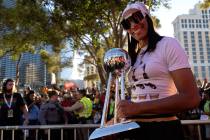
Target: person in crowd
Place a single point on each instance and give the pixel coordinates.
(111, 106)
(33, 109)
(42, 99)
(96, 108)
(207, 113)
(33, 113)
(67, 102)
(26, 90)
(161, 79)
(96, 99)
(12, 108)
(102, 98)
(71, 117)
(52, 113)
(83, 107)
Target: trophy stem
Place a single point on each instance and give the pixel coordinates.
(116, 61)
(117, 98)
(106, 103)
(122, 86)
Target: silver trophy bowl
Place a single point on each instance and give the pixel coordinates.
(116, 62)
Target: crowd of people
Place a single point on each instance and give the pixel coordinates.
(78, 106)
(54, 106)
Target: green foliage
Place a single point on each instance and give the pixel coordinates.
(1, 52)
(93, 25)
(205, 4)
(28, 26)
(44, 54)
(91, 77)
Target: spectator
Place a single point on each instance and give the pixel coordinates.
(12, 108)
(207, 112)
(71, 117)
(33, 112)
(51, 112)
(96, 108)
(83, 107)
(26, 91)
(67, 102)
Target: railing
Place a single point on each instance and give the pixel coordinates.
(198, 123)
(75, 127)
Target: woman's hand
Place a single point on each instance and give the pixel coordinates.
(110, 122)
(126, 109)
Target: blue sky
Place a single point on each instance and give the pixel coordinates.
(166, 17)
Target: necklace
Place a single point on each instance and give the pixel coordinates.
(9, 104)
(139, 62)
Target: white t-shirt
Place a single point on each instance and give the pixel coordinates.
(168, 56)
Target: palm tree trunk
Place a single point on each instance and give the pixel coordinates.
(18, 71)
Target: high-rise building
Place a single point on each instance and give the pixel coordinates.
(8, 3)
(193, 32)
(91, 77)
(32, 70)
(7, 68)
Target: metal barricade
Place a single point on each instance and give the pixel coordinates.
(75, 127)
(198, 124)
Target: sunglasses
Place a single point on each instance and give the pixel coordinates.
(135, 18)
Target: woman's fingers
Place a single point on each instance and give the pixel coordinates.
(123, 109)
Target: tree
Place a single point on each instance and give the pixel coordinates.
(14, 40)
(26, 27)
(93, 25)
(205, 4)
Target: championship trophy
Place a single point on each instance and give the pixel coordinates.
(116, 63)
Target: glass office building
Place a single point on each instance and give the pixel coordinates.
(32, 70)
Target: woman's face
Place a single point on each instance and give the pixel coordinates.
(137, 30)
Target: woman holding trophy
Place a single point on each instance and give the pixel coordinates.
(162, 83)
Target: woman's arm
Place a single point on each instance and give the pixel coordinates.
(187, 98)
(78, 105)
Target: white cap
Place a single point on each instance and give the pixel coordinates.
(138, 6)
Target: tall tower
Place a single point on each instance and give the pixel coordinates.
(32, 69)
(193, 32)
(7, 68)
(8, 3)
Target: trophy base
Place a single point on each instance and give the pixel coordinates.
(113, 129)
